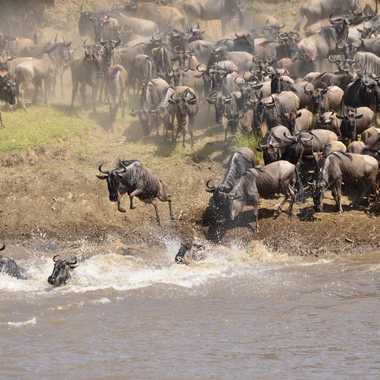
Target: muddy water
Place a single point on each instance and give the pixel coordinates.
(236, 315)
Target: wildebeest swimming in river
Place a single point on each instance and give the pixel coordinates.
(134, 179)
(61, 271)
(9, 267)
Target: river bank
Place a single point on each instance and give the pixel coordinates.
(49, 189)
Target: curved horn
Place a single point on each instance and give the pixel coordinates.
(73, 261)
(55, 258)
(210, 189)
(103, 171)
(203, 66)
(2, 247)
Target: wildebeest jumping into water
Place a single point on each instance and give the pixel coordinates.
(132, 178)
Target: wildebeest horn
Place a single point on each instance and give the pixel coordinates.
(204, 69)
(55, 258)
(73, 261)
(2, 247)
(210, 189)
(303, 140)
(103, 171)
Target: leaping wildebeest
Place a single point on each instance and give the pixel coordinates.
(132, 178)
(238, 164)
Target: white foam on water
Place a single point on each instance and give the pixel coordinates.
(29, 322)
(121, 273)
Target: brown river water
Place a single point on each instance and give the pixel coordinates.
(235, 315)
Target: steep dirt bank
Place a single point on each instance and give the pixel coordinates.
(51, 191)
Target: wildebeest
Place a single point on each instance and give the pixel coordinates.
(238, 164)
(315, 10)
(40, 72)
(132, 178)
(152, 97)
(275, 110)
(363, 92)
(116, 84)
(7, 92)
(137, 25)
(61, 271)
(167, 17)
(10, 267)
(357, 172)
(355, 122)
(86, 72)
(185, 105)
(371, 137)
(319, 46)
(223, 10)
(141, 71)
(279, 177)
(356, 147)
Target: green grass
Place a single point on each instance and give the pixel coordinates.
(38, 126)
(252, 142)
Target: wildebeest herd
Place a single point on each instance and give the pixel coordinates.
(309, 95)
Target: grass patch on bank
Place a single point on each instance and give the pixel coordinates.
(38, 126)
(250, 141)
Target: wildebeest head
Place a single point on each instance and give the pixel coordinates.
(184, 101)
(195, 33)
(7, 90)
(219, 202)
(113, 178)
(107, 51)
(61, 270)
(349, 121)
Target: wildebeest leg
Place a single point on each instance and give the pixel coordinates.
(37, 86)
(256, 213)
(171, 210)
(191, 132)
(122, 100)
(61, 81)
(74, 92)
(335, 196)
(292, 200)
(131, 207)
(119, 208)
(94, 94)
(153, 202)
(46, 85)
(338, 189)
(285, 192)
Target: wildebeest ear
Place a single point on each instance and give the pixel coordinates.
(359, 116)
(102, 176)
